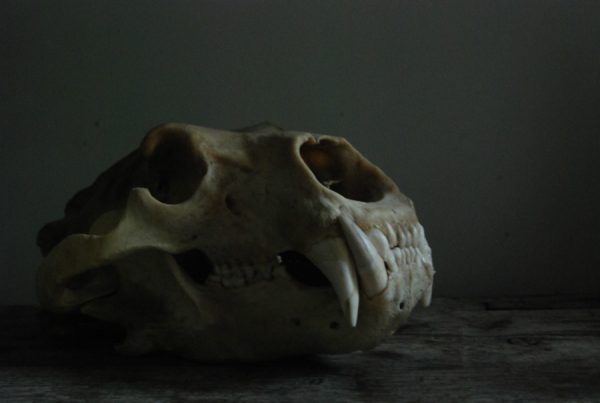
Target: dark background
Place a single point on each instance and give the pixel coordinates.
(486, 114)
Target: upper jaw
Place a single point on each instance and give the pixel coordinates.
(360, 262)
(357, 262)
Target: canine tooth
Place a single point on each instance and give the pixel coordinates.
(393, 264)
(379, 241)
(369, 264)
(426, 297)
(392, 238)
(331, 256)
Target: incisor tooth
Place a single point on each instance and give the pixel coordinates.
(393, 240)
(331, 256)
(409, 236)
(420, 234)
(369, 264)
(413, 235)
(402, 236)
(379, 241)
(398, 259)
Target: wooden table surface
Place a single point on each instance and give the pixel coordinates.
(488, 350)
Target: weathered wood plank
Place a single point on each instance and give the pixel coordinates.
(453, 351)
(542, 302)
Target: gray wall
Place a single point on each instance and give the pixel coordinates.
(486, 113)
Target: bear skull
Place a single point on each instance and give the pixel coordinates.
(239, 245)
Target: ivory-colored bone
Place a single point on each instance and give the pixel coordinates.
(239, 245)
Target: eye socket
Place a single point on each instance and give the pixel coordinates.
(342, 169)
(175, 166)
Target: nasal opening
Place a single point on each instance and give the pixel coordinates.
(340, 168)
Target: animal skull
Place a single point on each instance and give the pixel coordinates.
(239, 245)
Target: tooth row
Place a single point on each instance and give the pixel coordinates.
(406, 256)
(232, 276)
(356, 256)
(408, 251)
(404, 237)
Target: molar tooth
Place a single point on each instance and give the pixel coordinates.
(236, 274)
(331, 256)
(237, 281)
(369, 264)
(213, 278)
(265, 273)
(248, 272)
(279, 272)
(392, 238)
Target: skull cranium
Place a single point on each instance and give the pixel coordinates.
(239, 245)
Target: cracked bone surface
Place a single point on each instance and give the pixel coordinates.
(239, 245)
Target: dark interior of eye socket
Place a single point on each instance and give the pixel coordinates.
(303, 270)
(341, 169)
(195, 264)
(175, 167)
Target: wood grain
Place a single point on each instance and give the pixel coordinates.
(487, 350)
